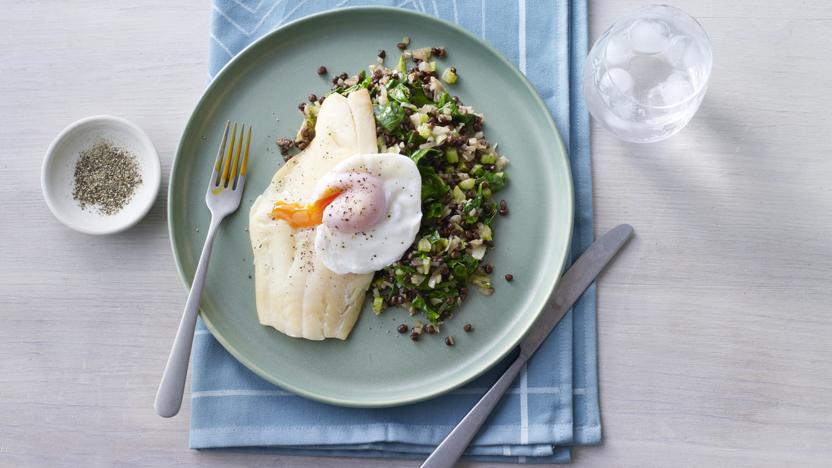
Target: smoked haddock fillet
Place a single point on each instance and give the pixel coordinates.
(295, 292)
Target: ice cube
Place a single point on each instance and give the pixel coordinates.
(648, 36)
(618, 51)
(675, 89)
(693, 59)
(616, 81)
(654, 97)
(675, 53)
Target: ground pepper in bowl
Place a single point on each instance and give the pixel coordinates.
(105, 178)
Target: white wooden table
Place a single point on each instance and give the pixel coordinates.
(715, 324)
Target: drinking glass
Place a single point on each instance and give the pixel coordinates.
(645, 77)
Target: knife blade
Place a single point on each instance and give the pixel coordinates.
(579, 276)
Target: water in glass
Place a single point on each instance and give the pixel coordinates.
(647, 74)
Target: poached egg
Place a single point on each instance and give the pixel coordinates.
(366, 212)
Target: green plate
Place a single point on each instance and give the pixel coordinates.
(376, 366)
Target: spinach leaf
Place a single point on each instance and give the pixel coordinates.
(447, 103)
(400, 93)
(496, 180)
(463, 266)
(432, 186)
(418, 96)
(444, 99)
(471, 204)
(433, 210)
(414, 139)
(423, 153)
(389, 116)
(420, 304)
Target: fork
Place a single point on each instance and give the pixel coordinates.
(225, 189)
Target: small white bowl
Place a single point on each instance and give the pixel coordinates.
(59, 168)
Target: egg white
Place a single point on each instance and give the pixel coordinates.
(385, 242)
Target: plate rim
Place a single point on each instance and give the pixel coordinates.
(471, 373)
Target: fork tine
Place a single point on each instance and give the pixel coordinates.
(215, 174)
(227, 164)
(245, 156)
(244, 165)
(232, 180)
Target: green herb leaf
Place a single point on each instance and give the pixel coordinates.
(469, 206)
(400, 93)
(418, 96)
(491, 208)
(420, 304)
(483, 283)
(401, 66)
(464, 266)
(433, 210)
(422, 154)
(414, 139)
(496, 180)
(365, 82)
(433, 187)
(389, 116)
(444, 98)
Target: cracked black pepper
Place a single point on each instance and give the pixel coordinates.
(106, 177)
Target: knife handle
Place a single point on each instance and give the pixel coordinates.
(451, 448)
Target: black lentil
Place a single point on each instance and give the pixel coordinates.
(509, 277)
(312, 98)
(403, 328)
(382, 54)
(449, 340)
(468, 328)
(285, 144)
(321, 70)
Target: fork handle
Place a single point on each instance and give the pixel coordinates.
(169, 396)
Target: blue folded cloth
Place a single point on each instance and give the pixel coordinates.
(554, 403)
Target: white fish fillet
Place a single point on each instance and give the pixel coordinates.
(296, 293)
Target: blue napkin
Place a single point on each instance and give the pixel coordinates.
(554, 403)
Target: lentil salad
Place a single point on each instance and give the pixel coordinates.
(461, 172)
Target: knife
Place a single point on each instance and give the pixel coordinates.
(579, 276)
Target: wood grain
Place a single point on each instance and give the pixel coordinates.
(716, 336)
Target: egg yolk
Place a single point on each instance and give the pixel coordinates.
(305, 216)
(352, 202)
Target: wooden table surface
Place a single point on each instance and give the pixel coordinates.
(715, 324)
